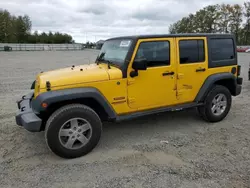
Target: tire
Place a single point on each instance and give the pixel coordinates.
(76, 114)
(206, 111)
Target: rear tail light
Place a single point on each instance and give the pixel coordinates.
(44, 105)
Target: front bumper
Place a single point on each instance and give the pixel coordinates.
(25, 116)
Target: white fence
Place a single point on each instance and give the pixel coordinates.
(51, 47)
(41, 47)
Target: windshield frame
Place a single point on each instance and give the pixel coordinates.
(118, 64)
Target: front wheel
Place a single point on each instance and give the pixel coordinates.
(73, 131)
(216, 105)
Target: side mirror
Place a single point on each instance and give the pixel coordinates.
(140, 64)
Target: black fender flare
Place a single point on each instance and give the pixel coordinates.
(209, 82)
(33, 85)
(56, 96)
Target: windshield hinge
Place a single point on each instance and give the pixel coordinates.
(48, 86)
(130, 82)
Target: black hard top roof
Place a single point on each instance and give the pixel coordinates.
(174, 35)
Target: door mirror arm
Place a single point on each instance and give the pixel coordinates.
(134, 73)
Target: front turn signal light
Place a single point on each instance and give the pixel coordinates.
(44, 105)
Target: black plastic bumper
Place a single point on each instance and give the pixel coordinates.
(238, 90)
(26, 117)
(238, 86)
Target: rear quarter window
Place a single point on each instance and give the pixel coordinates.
(222, 49)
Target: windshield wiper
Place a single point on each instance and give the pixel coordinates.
(100, 58)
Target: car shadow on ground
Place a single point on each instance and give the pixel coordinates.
(151, 125)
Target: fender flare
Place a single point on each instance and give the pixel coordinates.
(56, 96)
(33, 85)
(209, 82)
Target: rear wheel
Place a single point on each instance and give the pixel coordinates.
(217, 104)
(73, 131)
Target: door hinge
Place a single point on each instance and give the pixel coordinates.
(180, 76)
(130, 82)
(179, 93)
(131, 100)
(175, 87)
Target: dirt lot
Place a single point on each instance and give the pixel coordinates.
(130, 154)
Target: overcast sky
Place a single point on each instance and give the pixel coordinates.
(102, 19)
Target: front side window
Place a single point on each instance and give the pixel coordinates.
(156, 53)
(114, 51)
(191, 51)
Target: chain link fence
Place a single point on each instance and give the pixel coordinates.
(39, 47)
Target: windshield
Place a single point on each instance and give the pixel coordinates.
(114, 51)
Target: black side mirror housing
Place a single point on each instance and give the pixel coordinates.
(140, 64)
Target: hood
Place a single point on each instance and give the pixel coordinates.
(78, 75)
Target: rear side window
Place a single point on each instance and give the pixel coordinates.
(222, 49)
(191, 51)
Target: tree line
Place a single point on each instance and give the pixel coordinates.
(218, 18)
(17, 29)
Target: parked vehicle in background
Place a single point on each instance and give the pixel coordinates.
(247, 50)
(242, 49)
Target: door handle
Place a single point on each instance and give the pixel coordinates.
(167, 73)
(200, 70)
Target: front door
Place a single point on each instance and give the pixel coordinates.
(192, 67)
(156, 86)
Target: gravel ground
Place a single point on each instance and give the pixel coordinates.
(130, 154)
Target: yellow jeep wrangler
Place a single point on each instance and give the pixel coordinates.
(132, 76)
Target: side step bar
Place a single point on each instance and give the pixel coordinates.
(155, 111)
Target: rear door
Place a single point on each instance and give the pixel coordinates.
(192, 67)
